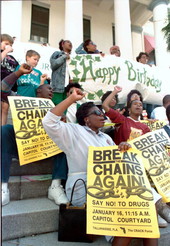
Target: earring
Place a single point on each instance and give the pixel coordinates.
(87, 122)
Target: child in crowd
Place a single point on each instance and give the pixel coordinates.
(8, 62)
(28, 83)
(60, 75)
(8, 82)
(8, 65)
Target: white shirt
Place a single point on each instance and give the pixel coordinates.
(71, 113)
(159, 113)
(74, 140)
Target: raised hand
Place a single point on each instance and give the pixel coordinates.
(8, 48)
(43, 78)
(117, 89)
(25, 68)
(76, 94)
(124, 146)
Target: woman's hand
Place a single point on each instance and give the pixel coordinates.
(117, 89)
(124, 146)
(121, 111)
(106, 103)
(76, 94)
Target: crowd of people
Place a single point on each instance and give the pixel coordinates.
(72, 124)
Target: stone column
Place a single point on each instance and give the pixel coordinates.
(159, 8)
(123, 35)
(138, 40)
(74, 22)
(11, 10)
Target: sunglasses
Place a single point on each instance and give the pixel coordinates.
(96, 112)
(92, 43)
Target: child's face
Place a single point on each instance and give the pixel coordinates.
(5, 43)
(32, 60)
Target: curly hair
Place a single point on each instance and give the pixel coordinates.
(140, 55)
(61, 44)
(83, 111)
(71, 85)
(130, 94)
(105, 95)
(86, 43)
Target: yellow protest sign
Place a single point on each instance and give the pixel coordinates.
(156, 159)
(32, 141)
(154, 125)
(119, 196)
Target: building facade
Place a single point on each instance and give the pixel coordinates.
(106, 22)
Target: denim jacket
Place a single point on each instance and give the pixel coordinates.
(58, 66)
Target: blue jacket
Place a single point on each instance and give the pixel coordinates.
(58, 66)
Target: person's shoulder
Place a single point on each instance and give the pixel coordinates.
(36, 70)
(10, 57)
(57, 53)
(108, 138)
(159, 108)
(17, 67)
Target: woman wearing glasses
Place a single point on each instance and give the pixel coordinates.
(74, 140)
(88, 47)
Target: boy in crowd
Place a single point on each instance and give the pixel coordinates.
(28, 83)
(8, 65)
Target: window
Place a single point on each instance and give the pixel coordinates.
(39, 24)
(86, 29)
(113, 34)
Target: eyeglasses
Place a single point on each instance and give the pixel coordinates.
(92, 43)
(96, 112)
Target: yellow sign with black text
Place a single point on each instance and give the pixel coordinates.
(119, 196)
(156, 159)
(154, 125)
(32, 141)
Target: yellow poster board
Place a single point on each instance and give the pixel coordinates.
(154, 125)
(32, 141)
(119, 196)
(156, 159)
